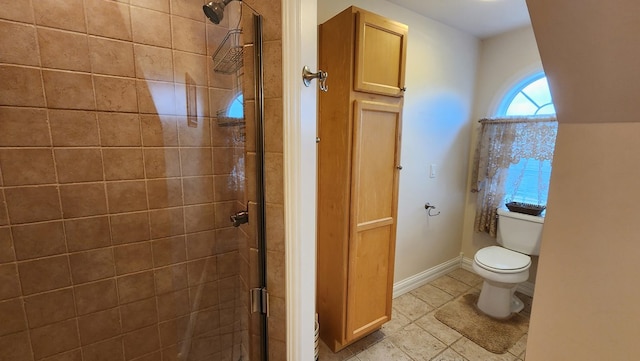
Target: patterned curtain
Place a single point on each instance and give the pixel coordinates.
(502, 142)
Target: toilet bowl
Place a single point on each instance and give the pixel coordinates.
(504, 268)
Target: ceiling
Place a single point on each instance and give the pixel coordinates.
(482, 18)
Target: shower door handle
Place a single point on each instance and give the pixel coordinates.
(308, 76)
(239, 218)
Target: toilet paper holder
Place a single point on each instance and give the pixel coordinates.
(429, 207)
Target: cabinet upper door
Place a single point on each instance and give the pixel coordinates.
(381, 48)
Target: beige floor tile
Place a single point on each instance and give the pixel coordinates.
(366, 342)
(398, 321)
(465, 276)
(449, 355)
(384, 350)
(438, 329)
(411, 306)
(417, 343)
(519, 347)
(473, 352)
(450, 285)
(432, 295)
(326, 354)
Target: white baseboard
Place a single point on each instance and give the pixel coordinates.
(424, 277)
(525, 287)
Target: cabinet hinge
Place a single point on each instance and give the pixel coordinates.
(260, 300)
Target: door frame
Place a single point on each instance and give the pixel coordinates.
(299, 44)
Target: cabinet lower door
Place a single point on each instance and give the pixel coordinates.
(373, 216)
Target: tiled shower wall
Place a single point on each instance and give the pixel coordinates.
(116, 184)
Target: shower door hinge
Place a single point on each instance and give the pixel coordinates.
(260, 301)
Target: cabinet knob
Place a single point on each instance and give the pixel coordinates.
(399, 167)
(403, 89)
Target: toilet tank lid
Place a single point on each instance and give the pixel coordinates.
(506, 213)
(502, 260)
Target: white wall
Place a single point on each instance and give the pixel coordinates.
(504, 60)
(440, 76)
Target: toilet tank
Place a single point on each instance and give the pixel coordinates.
(519, 232)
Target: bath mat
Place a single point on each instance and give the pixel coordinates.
(496, 336)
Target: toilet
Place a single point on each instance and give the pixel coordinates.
(503, 268)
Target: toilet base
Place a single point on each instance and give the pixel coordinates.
(498, 300)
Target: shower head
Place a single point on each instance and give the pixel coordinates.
(214, 10)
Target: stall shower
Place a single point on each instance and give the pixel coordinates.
(132, 201)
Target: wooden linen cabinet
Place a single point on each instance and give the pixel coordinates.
(359, 125)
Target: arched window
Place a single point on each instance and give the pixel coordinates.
(236, 107)
(529, 97)
(528, 180)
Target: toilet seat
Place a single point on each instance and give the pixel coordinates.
(501, 260)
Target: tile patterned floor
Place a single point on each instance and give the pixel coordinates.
(414, 334)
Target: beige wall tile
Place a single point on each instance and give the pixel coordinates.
(225, 160)
(99, 326)
(73, 128)
(140, 342)
(190, 68)
(199, 218)
(12, 316)
(135, 287)
(51, 307)
(44, 274)
(68, 15)
(273, 125)
(96, 296)
(162, 162)
(275, 227)
(123, 163)
(230, 239)
(223, 210)
(228, 264)
(119, 129)
(169, 251)
(81, 200)
(32, 204)
(171, 278)
(111, 57)
(156, 97)
(9, 282)
(186, 9)
(38, 240)
(4, 218)
(139, 314)
(67, 90)
(109, 19)
(21, 86)
(16, 11)
(150, 27)
(18, 44)
(166, 222)
(276, 273)
(64, 50)
(130, 227)
(220, 99)
(160, 5)
(164, 193)
(192, 100)
(91, 265)
(79, 165)
(153, 63)
(198, 190)
(226, 187)
(27, 166)
(126, 196)
(171, 305)
(196, 161)
(188, 35)
(73, 355)
(201, 244)
(133, 257)
(105, 350)
(6, 246)
(272, 54)
(24, 127)
(194, 134)
(52, 339)
(115, 94)
(201, 271)
(274, 182)
(87, 233)
(159, 131)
